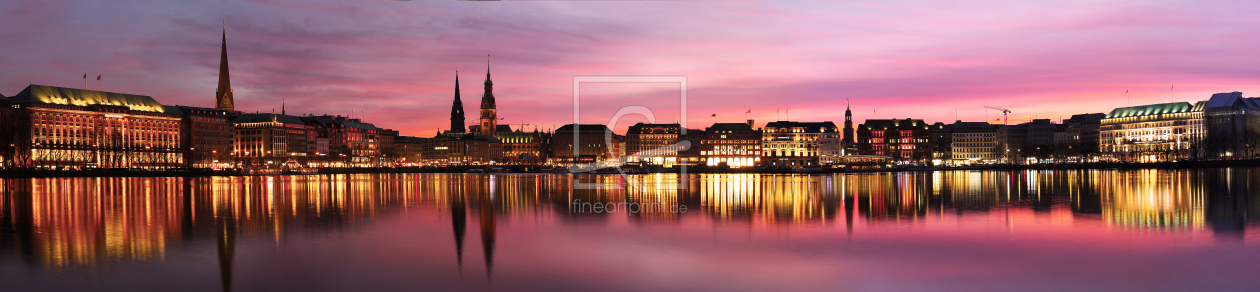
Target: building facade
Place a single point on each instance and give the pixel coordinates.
(734, 145)
(520, 147)
(1232, 125)
(907, 140)
(653, 144)
(972, 142)
(941, 138)
(206, 135)
(593, 143)
(55, 127)
(1030, 140)
(799, 144)
(1080, 141)
(269, 140)
(1152, 133)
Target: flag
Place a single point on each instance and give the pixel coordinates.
(715, 115)
(997, 119)
(98, 77)
(84, 75)
(749, 112)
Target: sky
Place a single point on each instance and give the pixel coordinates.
(394, 63)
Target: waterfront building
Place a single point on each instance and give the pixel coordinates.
(205, 134)
(1232, 125)
(269, 140)
(592, 144)
(520, 147)
(354, 138)
(436, 150)
(907, 140)
(972, 142)
(474, 150)
(735, 145)
(691, 155)
(409, 150)
(1010, 142)
(799, 144)
(1080, 141)
(941, 137)
(1030, 140)
(56, 127)
(653, 144)
(1152, 133)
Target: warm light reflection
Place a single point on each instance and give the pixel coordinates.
(1152, 199)
(74, 222)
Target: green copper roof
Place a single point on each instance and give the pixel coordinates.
(80, 97)
(1153, 109)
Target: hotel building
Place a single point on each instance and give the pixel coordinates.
(56, 127)
(1152, 133)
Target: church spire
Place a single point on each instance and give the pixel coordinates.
(223, 96)
(848, 124)
(457, 109)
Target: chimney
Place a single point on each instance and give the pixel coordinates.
(750, 123)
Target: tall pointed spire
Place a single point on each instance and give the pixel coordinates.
(223, 96)
(848, 124)
(487, 99)
(457, 109)
(489, 112)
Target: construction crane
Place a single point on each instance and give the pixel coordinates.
(522, 127)
(1004, 112)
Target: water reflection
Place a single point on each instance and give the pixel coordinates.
(66, 223)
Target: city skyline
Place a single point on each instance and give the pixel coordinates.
(372, 60)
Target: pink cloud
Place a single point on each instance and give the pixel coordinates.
(395, 61)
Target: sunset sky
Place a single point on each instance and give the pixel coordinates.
(394, 62)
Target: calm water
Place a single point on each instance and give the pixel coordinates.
(1146, 230)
